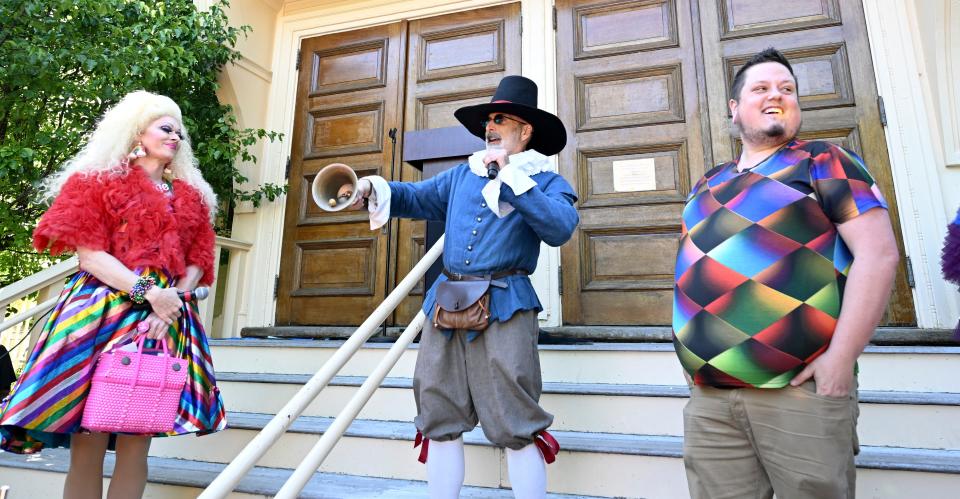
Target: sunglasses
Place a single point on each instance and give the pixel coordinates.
(498, 119)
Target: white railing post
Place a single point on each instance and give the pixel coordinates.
(234, 311)
(207, 306)
(248, 457)
(233, 314)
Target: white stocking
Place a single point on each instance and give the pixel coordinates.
(445, 469)
(528, 473)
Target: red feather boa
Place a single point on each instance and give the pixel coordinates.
(126, 216)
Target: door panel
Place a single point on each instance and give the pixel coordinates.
(610, 28)
(455, 60)
(740, 18)
(628, 90)
(348, 96)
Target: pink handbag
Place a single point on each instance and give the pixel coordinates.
(135, 392)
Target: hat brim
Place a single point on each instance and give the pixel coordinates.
(549, 134)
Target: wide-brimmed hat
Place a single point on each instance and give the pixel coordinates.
(517, 95)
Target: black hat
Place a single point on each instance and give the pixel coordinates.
(517, 95)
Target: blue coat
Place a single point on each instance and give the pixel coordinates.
(478, 242)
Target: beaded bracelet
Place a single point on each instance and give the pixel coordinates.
(138, 294)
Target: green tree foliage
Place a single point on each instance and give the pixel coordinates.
(64, 62)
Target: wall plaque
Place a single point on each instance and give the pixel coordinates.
(632, 175)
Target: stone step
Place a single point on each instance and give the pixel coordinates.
(42, 476)
(886, 368)
(881, 336)
(600, 464)
(605, 408)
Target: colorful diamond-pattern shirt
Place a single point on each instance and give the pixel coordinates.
(761, 267)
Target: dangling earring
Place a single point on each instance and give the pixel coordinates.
(137, 152)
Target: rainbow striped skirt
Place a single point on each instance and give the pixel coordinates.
(46, 404)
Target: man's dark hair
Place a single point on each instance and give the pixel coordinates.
(768, 55)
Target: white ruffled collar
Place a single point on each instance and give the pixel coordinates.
(528, 162)
(520, 167)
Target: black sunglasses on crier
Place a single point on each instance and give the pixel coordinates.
(498, 119)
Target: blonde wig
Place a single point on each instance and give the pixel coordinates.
(116, 135)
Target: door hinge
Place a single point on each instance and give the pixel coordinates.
(554, 18)
(286, 171)
(298, 61)
(910, 280)
(883, 111)
(521, 25)
(560, 279)
(276, 286)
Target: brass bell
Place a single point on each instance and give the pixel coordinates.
(335, 187)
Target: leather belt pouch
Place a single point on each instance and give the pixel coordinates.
(463, 305)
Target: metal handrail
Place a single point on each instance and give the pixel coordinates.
(298, 480)
(225, 482)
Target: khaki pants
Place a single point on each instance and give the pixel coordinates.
(751, 443)
(494, 378)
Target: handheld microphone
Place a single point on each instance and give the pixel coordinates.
(196, 294)
(492, 170)
(185, 295)
(492, 167)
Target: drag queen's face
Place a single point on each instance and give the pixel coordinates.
(162, 138)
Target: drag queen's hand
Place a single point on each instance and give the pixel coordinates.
(158, 328)
(165, 303)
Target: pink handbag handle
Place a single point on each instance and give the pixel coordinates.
(141, 341)
(167, 357)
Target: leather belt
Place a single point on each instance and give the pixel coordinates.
(493, 278)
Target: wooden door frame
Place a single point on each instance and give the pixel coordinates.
(922, 219)
(264, 226)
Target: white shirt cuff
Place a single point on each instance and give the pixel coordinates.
(379, 202)
(518, 181)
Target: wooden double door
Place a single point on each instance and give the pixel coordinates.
(357, 93)
(643, 89)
